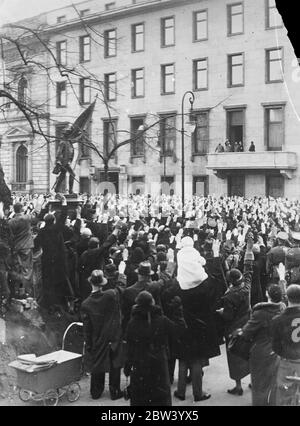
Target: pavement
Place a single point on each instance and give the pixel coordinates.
(216, 382)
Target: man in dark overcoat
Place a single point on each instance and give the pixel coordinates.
(54, 267)
(101, 317)
(144, 283)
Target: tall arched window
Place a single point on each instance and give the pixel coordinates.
(21, 164)
(22, 89)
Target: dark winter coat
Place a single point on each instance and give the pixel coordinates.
(263, 361)
(285, 333)
(101, 316)
(20, 226)
(236, 302)
(54, 267)
(147, 339)
(200, 341)
(131, 293)
(82, 246)
(90, 260)
(137, 256)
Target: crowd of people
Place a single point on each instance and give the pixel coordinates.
(155, 283)
(236, 146)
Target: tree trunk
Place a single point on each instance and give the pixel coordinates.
(106, 172)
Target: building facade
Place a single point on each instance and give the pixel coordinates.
(140, 58)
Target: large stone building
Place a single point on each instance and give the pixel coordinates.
(141, 57)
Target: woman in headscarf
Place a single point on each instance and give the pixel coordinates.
(198, 294)
(147, 336)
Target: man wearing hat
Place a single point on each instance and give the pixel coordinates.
(94, 258)
(277, 254)
(115, 278)
(101, 318)
(144, 283)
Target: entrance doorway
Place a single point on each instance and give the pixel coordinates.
(113, 177)
(236, 185)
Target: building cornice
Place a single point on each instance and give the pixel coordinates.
(114, 14)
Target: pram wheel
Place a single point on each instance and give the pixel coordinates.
(73, 392)
(51, 397)
(24, 395)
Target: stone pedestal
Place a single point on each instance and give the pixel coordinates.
(73, 201)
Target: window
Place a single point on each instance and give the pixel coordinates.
(61, 52)
(236, 125)
(84, 12)
(22, 90)
(110, 6)
(84, 185)
(137, 82)
(167, 135)
(200, 25)
(275, 186)
(274, 127)
(167, 32)
(200, 67)
(167, 185)
(137, 145)
(109, 136)
(137, 37)
(137, 185)
(236, 70)
(235, 18)
(85, 90)
(21, 164)
(200, 136)
(274, 65)
(110, 83)
(273, 18)
(110, 43)
(168, 79)
(61, 94)
(60, 19)
(200, 186)
(85, 48)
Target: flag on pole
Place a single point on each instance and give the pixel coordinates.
(78, 128)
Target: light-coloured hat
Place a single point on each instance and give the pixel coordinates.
(86, 232)
(97, 278)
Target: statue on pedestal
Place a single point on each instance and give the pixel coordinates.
(64, 158)
(65, 153)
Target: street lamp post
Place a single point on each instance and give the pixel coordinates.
(191, 100)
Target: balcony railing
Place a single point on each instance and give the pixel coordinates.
(264, 160)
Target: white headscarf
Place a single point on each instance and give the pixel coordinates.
(190, 265)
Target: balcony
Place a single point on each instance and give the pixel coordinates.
(284, 162)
